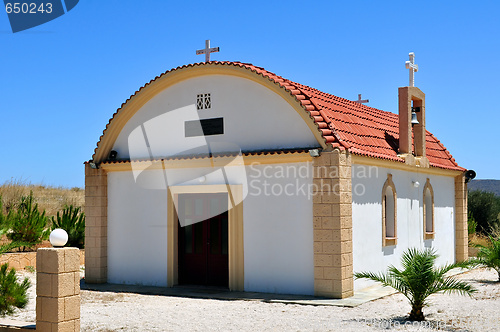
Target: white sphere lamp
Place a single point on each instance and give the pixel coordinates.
(58, 237)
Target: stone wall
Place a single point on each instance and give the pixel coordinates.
(58, 290)
(332, 209)
(461, 232)
(20, 260)
(96, 230)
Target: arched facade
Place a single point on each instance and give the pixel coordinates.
(162, 83)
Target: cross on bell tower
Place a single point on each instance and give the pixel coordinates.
(207, 50)
(412, 67)
(412, 133)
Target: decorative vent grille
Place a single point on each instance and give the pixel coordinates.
(203, 101)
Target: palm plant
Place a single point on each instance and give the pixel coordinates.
(72, 220)
(419, 279)
(489, 256)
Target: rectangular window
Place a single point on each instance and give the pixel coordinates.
(204, 127)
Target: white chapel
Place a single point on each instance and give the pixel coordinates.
(225, 174)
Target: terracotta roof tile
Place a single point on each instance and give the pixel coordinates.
(343, 123)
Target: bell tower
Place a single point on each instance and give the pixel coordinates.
(412, 121)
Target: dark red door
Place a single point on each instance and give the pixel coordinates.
(203, 245)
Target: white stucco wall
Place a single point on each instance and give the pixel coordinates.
(255, 118)
(137, 231)
(278, 234)
(367, 183)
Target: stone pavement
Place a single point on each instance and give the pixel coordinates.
(214, 293)
(371, 293)
(7, 324)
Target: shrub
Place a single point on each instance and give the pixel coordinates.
(471, 224)
(489, 255)
(72, 220)
(27, 225)
(3, 219)
(419, 279)
(484, 208)
(13, 294)
(4, 228)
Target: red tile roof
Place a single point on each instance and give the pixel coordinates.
(361, 129)
(344, 124)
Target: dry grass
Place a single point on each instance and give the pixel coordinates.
(50, 199)
(478, 239)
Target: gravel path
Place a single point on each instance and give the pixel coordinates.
(106, 311)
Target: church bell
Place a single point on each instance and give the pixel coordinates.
(414, 119)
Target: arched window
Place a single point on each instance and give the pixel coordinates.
(428, 211)
(389, 215)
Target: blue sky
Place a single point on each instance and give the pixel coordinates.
(61, 82)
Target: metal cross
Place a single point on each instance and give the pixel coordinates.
(361, 101)
(412, 67)
(207, 50)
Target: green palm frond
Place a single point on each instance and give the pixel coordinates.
(418, 278)
(441, 271)
(384, 279)
(452, 285)
(489, 256)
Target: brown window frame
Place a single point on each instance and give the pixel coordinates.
(389, 240)
(428, 235)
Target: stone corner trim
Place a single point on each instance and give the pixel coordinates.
(461, 233)
(96, 230)
(332, 225)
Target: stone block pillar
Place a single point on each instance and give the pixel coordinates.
(332, 209)
(58, 289)
(96, 225)
(461, 231)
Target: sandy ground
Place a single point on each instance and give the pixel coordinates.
(105, 311)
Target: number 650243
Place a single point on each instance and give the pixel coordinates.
(28, 8)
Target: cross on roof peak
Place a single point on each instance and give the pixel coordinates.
(412, 67)
(207, 50)
(361, 101)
